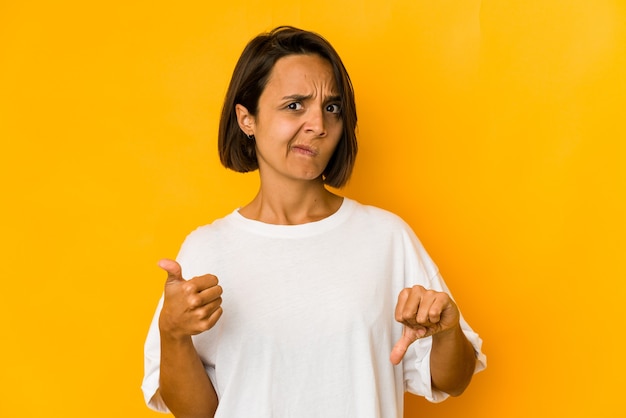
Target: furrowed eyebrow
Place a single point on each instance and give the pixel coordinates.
(302, 98)
(298, 97)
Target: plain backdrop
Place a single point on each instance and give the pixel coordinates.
(495, 128)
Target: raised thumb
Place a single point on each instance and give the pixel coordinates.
(173, 269)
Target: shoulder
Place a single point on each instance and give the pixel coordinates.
(377, 216)
(384, 228)
(385, 223)
(201, 250)
(207, 234)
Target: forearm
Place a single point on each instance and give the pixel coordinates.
(452, 361)
(184, 385)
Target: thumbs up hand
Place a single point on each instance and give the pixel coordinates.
(189, 306)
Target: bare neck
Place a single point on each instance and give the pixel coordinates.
(292, 204)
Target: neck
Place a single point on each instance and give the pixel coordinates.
(292, 204)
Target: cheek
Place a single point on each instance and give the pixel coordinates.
(332, 145)
(336, 131)
(278, 130)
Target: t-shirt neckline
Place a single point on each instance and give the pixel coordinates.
(294, 231)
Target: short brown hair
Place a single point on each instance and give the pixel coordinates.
(248, 81)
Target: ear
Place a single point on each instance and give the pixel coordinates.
(244, 119)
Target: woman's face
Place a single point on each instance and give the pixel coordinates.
(298, 123)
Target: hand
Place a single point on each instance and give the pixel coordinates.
(189, 306)
(423, 312)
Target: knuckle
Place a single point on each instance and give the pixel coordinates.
(194, 301)
(408, 315)
(430, 292)
(188, 287)
(418, 288)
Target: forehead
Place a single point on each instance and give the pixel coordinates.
(302, 72)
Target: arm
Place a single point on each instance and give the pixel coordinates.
(184, 384)
(189, 308)
(452, 361)
(427, 312)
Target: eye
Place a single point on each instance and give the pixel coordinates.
(294, 106)
(333, 108)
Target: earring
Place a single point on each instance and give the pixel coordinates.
(250, 137)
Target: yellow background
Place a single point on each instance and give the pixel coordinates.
(495, 128)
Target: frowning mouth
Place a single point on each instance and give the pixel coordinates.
(304, 150)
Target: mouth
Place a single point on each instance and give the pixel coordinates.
(304, 150)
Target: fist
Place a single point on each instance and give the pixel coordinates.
(423, 313)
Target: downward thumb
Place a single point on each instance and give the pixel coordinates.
(173, 269)
(409, 336)
(399, 350)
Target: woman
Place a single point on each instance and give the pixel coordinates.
(324, 307)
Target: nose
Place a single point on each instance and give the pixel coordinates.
(315, 122)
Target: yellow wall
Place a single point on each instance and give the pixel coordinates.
(495, 128)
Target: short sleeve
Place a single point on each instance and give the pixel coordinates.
(421, 270)
(152, 359)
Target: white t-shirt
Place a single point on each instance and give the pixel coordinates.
(308, 316)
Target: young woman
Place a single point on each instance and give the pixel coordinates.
(324, 307)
